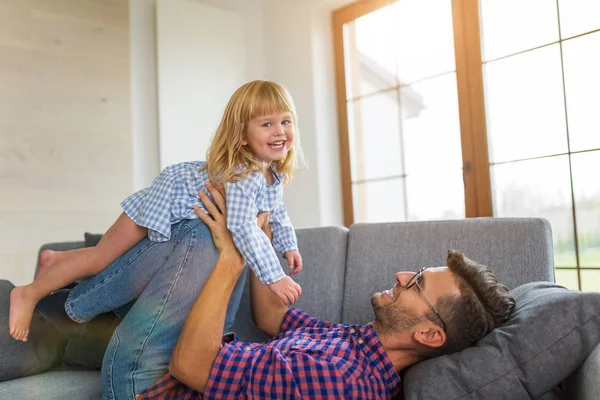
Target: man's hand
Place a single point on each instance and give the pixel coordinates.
(216, 220)
(287, 290)
(294, 260)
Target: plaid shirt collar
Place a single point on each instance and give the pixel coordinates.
(380, 359)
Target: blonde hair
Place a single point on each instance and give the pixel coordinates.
(228, 160)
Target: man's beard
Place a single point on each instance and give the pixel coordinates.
(391, 319)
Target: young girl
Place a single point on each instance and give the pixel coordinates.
(254, 151)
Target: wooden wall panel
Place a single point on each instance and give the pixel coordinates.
(65, 137)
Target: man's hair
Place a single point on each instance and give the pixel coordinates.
(483, 304)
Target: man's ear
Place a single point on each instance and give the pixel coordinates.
(429, 334)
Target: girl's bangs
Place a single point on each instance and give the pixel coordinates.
(268, 101)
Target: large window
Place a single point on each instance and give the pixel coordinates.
(452, 109)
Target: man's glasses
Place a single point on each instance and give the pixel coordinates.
(417, 279)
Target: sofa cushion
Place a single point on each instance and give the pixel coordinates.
(323, 253)
(54, 385)
(549, 335)
(41, 352)
(87, 350)
(518, 250)
(91, 239)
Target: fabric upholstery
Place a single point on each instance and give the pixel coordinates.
(54, 385)
(91, 239)
(518, 250)
(323, 253)
(41, 352)
(549, 335)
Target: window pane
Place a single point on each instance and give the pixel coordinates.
(538, 188)
(431, 125)
(567, 278)
(370, 57)
(436, 196)
(590, 281)
(425, 39)
(375, 136)
(586, 167)
(578, 16)
(510, 26)
(379, 201)
(525, 106)
(582, 81)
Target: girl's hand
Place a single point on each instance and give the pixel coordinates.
(287, 290)
(294, 261)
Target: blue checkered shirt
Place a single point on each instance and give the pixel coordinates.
(173, 194)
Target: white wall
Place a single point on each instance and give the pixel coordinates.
(57, 183)
(326, 117)
(287, 41)
(299, 54)
(144, 102)
(65, 144)
(201, 61)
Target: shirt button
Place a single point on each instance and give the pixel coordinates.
(352, 330)
(247, 348)
(360, 341)
(298, 341)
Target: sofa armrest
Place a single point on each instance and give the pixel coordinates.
(584, 383)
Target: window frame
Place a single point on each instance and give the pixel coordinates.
(469, 77)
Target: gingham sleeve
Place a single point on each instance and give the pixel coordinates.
(284, 235)
(250, 240)
(151, 207)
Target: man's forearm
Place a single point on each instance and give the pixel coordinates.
(267, 309)
(200, 339)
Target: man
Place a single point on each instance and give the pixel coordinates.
(436, 311)
(423, 315)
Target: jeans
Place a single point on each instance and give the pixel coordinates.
(166, 278)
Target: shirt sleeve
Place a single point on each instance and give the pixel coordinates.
(250, 240)
(284, 235)
(151, 207)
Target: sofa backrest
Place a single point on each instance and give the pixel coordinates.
(342, 267)
(323, 253)
(518, 250)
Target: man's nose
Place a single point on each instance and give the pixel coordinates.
(403, 277)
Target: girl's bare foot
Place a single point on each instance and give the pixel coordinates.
(47, 259)
(21, 311)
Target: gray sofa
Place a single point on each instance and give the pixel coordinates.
(343, 267)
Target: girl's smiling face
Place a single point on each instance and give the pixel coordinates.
(270, 137)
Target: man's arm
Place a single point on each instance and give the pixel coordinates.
(200, 340)
(267, 309)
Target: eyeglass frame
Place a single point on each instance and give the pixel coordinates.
(415, 281)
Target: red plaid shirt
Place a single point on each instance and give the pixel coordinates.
(308, 359)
